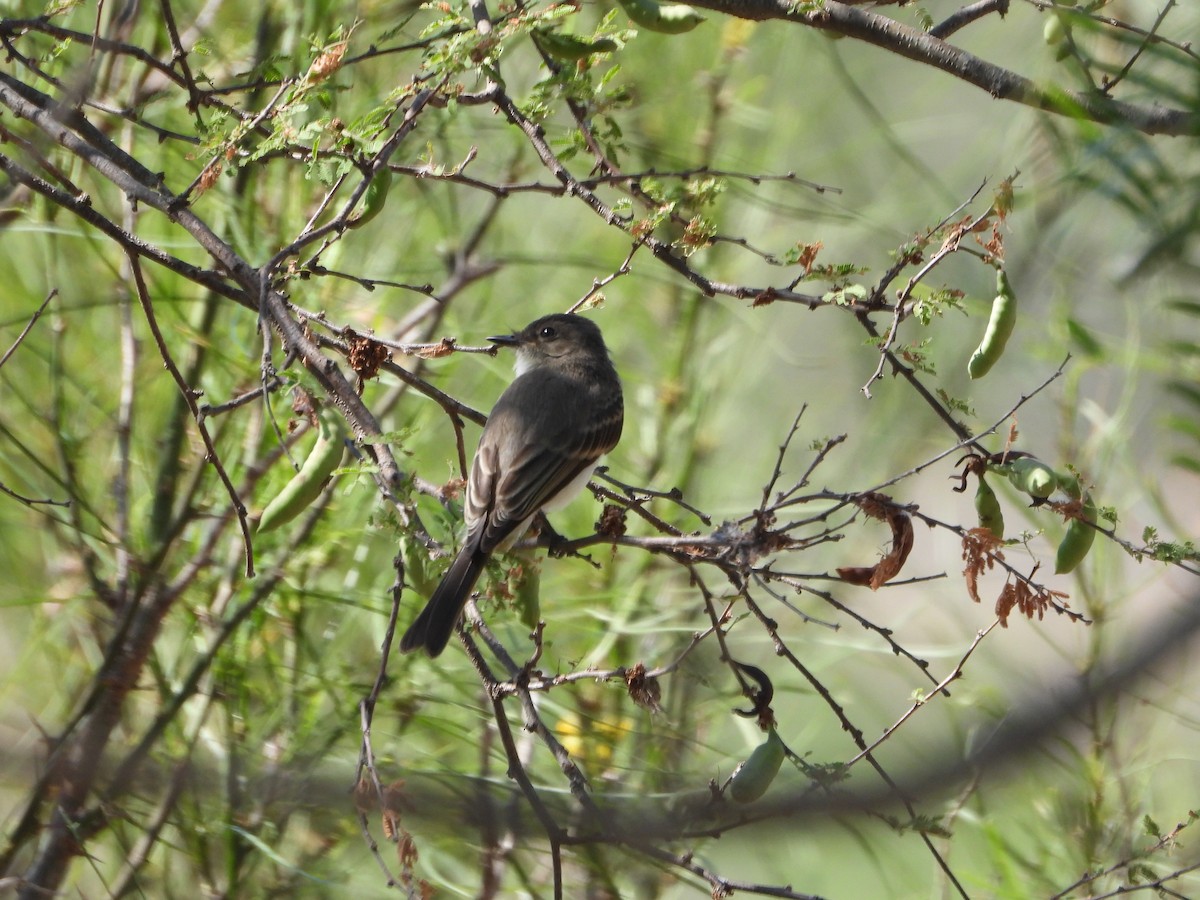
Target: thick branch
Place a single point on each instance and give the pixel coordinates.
(997, 81)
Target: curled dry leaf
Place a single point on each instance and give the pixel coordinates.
(328, 62)
(366, 355)
(364, 795)
(902, 543)
(303, 405)
(444, 347)
(208, 178)
(452, 489)
(391, 825)
(856, 574)
(806, 255)
(643, 691)
(612, 521)
(766, 297)
(390, 814)
(879, 506)
(406, 850)
(762, 697)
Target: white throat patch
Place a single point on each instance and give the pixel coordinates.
(524, 362)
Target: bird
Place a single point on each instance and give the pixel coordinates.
(542, 441)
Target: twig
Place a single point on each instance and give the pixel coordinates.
(950, 245)
(189, 396)
(366, 710)
(779, 457)
(637, 494)
(973, 440)
(904, 40)
(599, 284)
(37, 314)
(940, 688)
(179, 57)
(855, 733)
(1166, 840)
(1107, 84)
(1187, 48)
(720, 886)
(968, 14)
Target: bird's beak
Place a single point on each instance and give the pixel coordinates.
(505, 340)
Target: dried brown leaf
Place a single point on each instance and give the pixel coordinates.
(364, 795)
(808, 255)
(208, 178)
(444, 347)
(643, 691)
(902, 543)
(328, 62)
(612, 521)
(366, 355)
(452, 489)
(765, 297)
(994, 245)
(390, 825)
(406, 850)
(981, 550)
(880, 506)
(856, 574)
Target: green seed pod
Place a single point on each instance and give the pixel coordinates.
(374, 198)
(667, 18)
(1070, 485)
(999, 329)
(571, 47)
(1077, 541)
(1054, 31)
(752, 778)
(1032, 476)
(987, 507)
(306, 485)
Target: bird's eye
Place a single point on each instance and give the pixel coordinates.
(547, 332)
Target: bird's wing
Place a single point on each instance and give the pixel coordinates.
(563, 429)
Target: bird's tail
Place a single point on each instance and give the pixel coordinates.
(435, 624)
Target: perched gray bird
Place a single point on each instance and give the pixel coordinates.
(540, 445)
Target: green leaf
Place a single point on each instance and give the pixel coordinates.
(1082, 340)
(264, 848)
